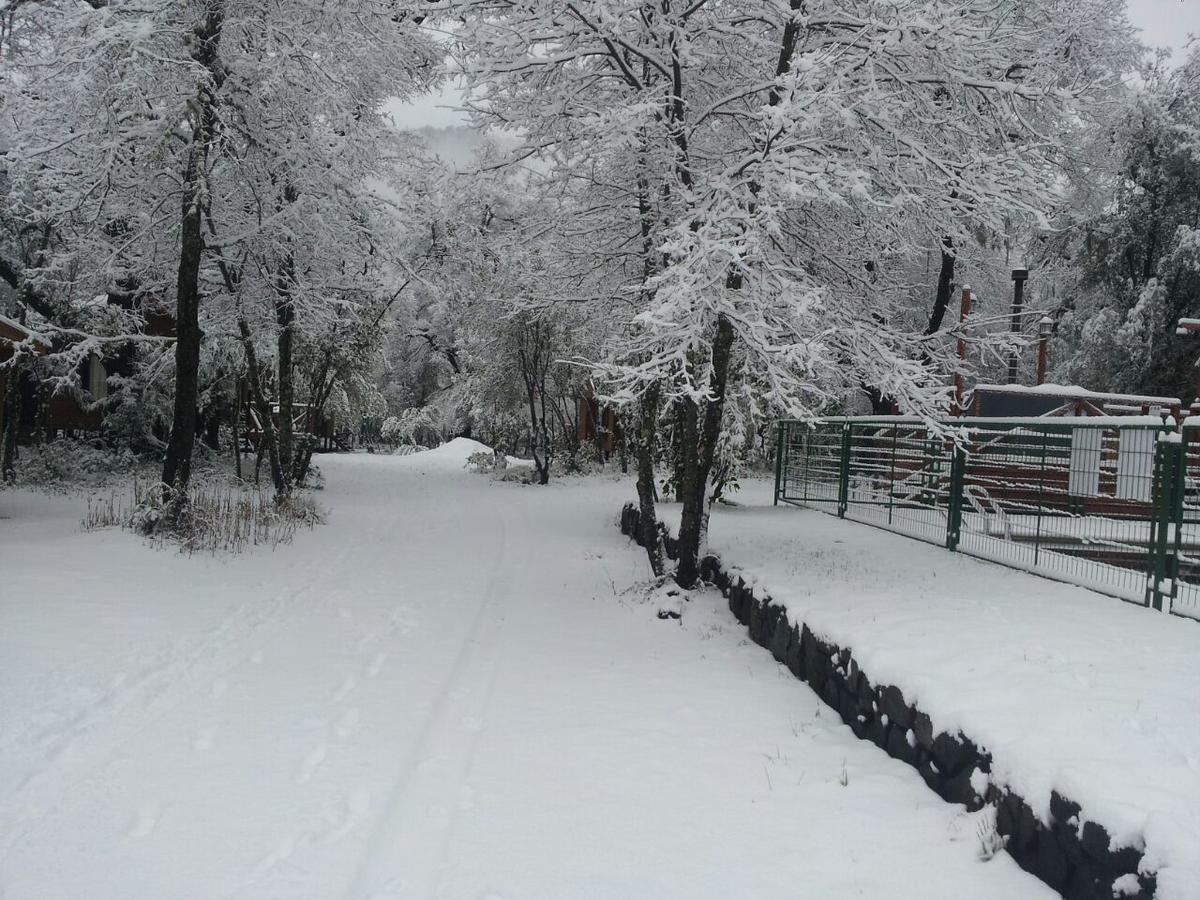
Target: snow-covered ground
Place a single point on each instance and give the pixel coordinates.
(448, 691)
(1068, 689)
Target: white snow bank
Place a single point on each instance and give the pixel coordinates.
(452, 454)
(1068, 689)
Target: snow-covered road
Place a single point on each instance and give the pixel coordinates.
(449, 690)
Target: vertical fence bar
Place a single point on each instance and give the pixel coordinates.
(958, 465)
(892, 479)
(844, 470)
(807, 437)
(1162, 561)
(781, 443)
(1041, 501)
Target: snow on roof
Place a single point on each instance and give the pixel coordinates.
(1072, 390)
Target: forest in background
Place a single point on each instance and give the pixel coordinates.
(700, 216)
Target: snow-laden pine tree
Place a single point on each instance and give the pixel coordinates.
(783, 158)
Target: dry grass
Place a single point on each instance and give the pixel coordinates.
(216, 518)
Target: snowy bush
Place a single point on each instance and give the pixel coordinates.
(216, 518)
(483, 461)
(68, 463)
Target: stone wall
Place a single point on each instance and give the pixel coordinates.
(1076, 862)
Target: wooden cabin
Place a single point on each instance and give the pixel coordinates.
(13, 335)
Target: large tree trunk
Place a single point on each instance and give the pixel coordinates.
(701, 435)
(12, 424)
(177, 467)
(650, 534)
(285, 317)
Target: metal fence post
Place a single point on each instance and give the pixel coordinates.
(958, 465)
(844, 470)
(1166, 511)
(781, 441)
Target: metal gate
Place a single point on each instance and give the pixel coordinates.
(1110, 504)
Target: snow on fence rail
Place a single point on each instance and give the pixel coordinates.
(1108, 503)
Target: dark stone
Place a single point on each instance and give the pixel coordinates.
(781, 638)
(1062, 810)
(1049, 862)
(898, 746)
(893, 706)
(847, 708)
(867, 700)
(958, 789)
(877, 732)
(739, 602)
(923, 730)
(829, 689)
(1073, 859)
(756, 622)
(1084, 884)
(795, 659)
(1027, 824)
(853, 676)
(952, 754)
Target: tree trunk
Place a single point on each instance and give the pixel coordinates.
(237, 427)
(259, 398)
(12, 424)
(650, 534)
(177, 467)
(700, 438)
(945, 285)
(285, 315)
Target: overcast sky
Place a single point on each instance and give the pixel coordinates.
(1165, 23)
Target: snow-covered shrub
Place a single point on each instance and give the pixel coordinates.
(483, 461)
(216, 518)
(67, 463)
(413, 426)
(517, 474)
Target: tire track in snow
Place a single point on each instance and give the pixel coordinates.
(405, 852)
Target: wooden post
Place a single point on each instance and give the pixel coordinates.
(957, 408)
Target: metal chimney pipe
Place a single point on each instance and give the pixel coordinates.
(1018, 276)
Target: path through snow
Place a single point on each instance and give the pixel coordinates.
(448, 691)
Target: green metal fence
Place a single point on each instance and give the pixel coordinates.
(1109, 504)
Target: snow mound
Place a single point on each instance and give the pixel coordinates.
(450, 455)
